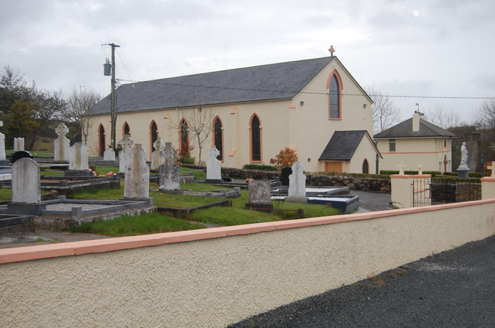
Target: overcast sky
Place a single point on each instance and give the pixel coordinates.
(440, 48)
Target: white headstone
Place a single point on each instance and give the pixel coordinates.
(420, 168)
(61, 144)
(26, 181)
(169, 171)
(137, 175)
(213, 166)
(124, 154)
(109, 155)
(156, 161)
(78, 157)
(297, 181)
(2, 144)
(18, 144)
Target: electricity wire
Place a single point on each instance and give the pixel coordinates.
(306, 92)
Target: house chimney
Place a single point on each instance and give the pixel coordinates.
(415, 122)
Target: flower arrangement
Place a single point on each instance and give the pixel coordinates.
(249, 179)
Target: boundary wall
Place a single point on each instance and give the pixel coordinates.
(218, 276)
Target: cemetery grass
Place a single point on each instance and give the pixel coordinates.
(223, 216)
(137, 225)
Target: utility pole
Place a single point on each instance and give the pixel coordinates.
(113, 111)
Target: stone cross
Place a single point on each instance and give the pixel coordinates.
(420, 168)
(158, 156)
(62, 130)
(332, 50)
(170, 152)
(124, 154)
(61, 144)
(169, 171)
(297, 181)
(401, 167)
(159, 144)
(213, 166)
(492, 168)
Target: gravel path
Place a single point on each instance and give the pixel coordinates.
(455, 288)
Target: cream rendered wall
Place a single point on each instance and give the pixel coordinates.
(284, 123)
(219, 281)
(428, 151)
(315, 128)
(362, 152)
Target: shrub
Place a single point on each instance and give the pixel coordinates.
(286, 158)
(187, 159)
(261, 167)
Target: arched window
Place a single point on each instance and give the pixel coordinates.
(218, 137)
(334, 98)
(153, 134)
(255, 139)
(126, 129)
(366, 167)
(101, 141)
(184, 138)
(445, 168)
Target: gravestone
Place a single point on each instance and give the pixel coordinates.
(284, 175)
(109, 155)
(61, 144)
(18, 144)
(21, 154)
(297, 185)
(213, 167)
(260, 195)
(156, 161)
(137, 175)
(26, 193)
(3, 160)
(169, 171)
(78, 157)
(126, 144)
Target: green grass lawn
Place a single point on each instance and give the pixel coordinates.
(155, 223)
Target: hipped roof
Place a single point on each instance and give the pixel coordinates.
(343, 145)
(404, 130)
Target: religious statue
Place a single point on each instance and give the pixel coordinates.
(464, 156)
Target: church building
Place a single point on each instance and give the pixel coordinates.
(314, 107)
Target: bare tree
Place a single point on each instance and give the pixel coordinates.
(80, 111)
(199, 126)
(385, 114)
(443, 118)
(485, 116)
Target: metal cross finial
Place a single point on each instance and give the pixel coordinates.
(332, 50)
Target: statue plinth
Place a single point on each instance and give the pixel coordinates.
(463, 171)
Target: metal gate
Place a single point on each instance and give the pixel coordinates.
(444, 191)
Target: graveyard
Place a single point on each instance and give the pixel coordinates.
(138, 197)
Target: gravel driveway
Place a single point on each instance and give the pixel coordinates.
(455, 288)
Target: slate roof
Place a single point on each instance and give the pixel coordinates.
(266, 82)
(404, 130)
(343, 145)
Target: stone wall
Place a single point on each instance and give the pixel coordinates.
(354, 183)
